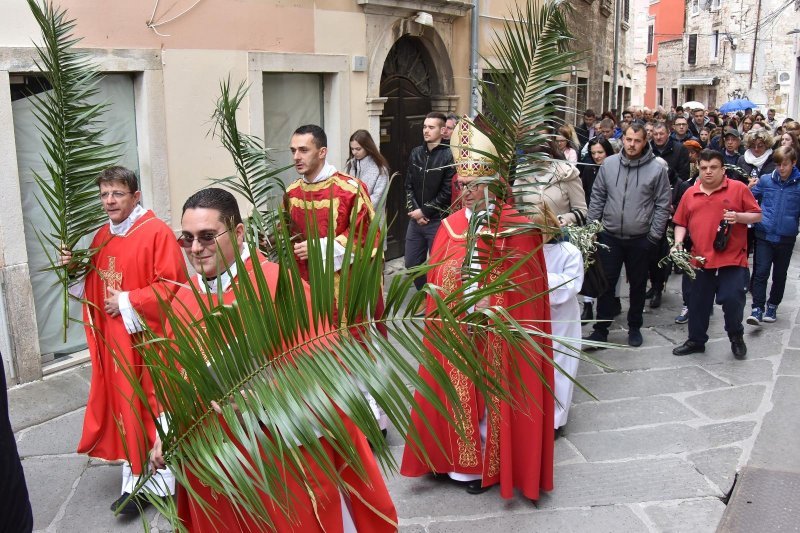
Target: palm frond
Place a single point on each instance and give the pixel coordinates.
(533, 60)
(256, 179)
(76, 155)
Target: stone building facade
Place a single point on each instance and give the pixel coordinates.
(734, 50)
(594, 28)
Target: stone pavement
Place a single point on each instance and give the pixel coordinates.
(657, 451)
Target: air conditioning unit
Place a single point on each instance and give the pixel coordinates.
(784, 77)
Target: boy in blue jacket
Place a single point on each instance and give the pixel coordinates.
(779, 195)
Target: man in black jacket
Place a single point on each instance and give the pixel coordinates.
(428, 193)
(671, 151)
(586, 130)
(676, 156)
(698, 122)
(732, 141)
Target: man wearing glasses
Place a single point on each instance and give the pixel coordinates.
(213, 236)
(133, 273)
(680, 130)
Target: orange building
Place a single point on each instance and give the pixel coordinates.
(666, 21)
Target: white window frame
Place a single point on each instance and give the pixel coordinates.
(336, 78)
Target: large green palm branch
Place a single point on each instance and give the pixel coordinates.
(71, 132)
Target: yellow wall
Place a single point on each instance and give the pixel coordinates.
(191, 88)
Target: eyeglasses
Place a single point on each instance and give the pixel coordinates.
(186, 240)
(116, 195)
(467, 186)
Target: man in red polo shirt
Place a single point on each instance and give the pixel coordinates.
(716, 211)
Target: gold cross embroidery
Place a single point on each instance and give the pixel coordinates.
(110, 276)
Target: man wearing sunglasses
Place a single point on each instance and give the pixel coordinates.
(134, 271)
(213, 235)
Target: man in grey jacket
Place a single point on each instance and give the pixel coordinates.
(631, 198)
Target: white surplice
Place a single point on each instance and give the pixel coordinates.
(565, 278)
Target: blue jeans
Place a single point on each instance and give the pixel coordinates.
(729, 285)
(770, 256)
(419, 240)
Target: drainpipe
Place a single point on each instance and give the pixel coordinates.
(473, 80)
(755, 43)
(615, 70)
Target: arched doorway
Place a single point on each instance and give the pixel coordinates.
(406, 83)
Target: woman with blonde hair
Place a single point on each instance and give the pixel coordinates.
(368, 164)
(757, 160)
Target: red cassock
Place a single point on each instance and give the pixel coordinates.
(147, 263)
(310, 203)
(316, 506)
(518, 451)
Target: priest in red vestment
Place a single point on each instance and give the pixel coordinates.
(318, 505)
(509, 447)
(136, 268)
(310, 200)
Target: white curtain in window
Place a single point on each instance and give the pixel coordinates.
(291, 100)
(119, 127)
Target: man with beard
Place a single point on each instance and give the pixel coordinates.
(631, 198)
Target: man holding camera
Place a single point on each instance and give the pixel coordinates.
(716, 212)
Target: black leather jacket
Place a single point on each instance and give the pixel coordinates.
(429, 179)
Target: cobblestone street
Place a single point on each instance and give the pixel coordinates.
(657, 452)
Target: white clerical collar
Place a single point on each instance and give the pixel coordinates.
(327, 171)
(123, 227)
(481, 213)
(222, 282)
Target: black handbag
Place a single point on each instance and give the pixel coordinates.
(594, 279)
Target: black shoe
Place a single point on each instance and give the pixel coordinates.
(587, 313)
(476, 487)
(617, 309)
(133, 506)
(595, 336)
(689, 347)
(738, 347)
(635, 338)
(655, 301)
(650, 293)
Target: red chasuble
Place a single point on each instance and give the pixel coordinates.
(309, 203)
(316, 506)
(518, 451)
(146, 262)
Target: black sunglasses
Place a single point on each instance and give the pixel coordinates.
(206, 239)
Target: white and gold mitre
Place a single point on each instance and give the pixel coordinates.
(469, 145)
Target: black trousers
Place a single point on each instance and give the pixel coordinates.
(634, 254)
(15, 508)
(660, 274)
(729, 285)
(770, 256)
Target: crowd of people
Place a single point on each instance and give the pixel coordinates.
(756, 156)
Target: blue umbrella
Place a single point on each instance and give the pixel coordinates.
(739, 104)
